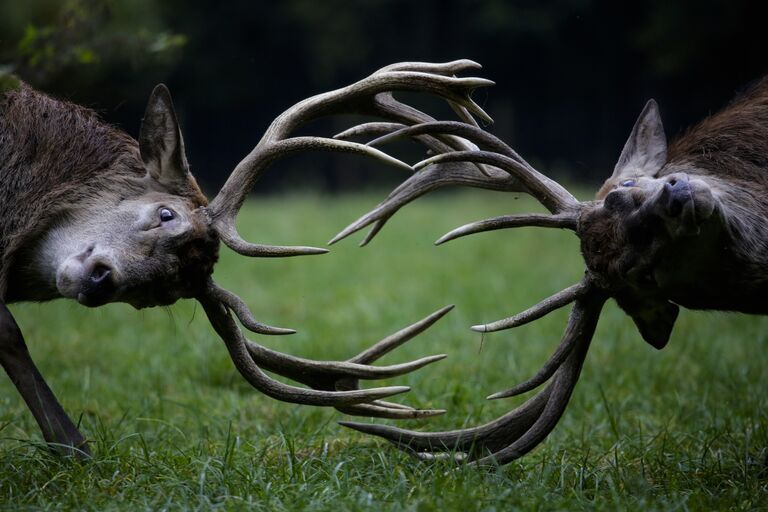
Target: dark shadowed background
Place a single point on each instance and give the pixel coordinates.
(571, 74)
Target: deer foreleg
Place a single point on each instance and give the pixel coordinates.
(58, 430)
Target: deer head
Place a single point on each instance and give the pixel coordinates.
(177, 221)
(147, 248)
(629, 238)
(143, 232)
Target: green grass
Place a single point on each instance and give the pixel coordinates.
(175, 427)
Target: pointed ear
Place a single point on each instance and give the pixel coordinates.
(160, 141)
(645, 152)
(653, 318)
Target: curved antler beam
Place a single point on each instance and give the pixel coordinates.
(333, 383)
(520, 430)
(224, 207)
(461, 169)
(548, 192)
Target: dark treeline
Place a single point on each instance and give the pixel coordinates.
(571, 74)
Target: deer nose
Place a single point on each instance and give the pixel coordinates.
(677, 192)
(98, 288)
(99, 274)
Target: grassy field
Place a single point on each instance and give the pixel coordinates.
(175, 427)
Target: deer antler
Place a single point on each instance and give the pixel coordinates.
(522, 429)
(332, 383)
(370, 96)
(510, 172)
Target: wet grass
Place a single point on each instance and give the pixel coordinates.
(173, 426)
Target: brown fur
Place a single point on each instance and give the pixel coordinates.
(728, 151)
(56, 157)
(733, 142)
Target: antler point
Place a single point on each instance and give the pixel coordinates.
(443, 239)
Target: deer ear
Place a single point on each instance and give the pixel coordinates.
(160, 141)
(645, 152)
(653, 318)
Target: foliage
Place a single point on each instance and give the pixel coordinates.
(8, 81)
(175, 428)
(571, 74)
(77, 34)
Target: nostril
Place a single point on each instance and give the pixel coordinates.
(675, 207)
(672, 182)
(99, 274)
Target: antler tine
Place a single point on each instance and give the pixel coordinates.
(519, 431)
(360, 97)
(548, 192)
(562, 389)
(244, 314)
(367, 129)
(443, 175)
(475, 135)
(442, 68)
(315, 373)
(387, 409)
(393, 341)
(312, 373)
(484, 439)
(334, 383)
(511, 221)
(562, 351)
(464, 114)
(434, 144)
(546, 306)
(224, 208)
(225, 326)
(422, 182)
(386, 106)
(374, 409)
(389, 108)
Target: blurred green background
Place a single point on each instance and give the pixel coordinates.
(572, 75)
(174, 427)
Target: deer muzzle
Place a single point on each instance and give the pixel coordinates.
(685, 204)
(676, 195)
(89, 277)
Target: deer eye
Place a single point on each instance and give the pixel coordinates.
(628, 183)
(166, 214)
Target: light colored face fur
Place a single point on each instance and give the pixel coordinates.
(132, 253)
(147, 250)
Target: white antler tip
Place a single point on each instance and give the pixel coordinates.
(480, 328)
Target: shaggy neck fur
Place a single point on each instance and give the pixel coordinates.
(57, 160)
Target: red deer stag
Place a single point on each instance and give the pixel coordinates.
(683, 225)
(88, 213)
